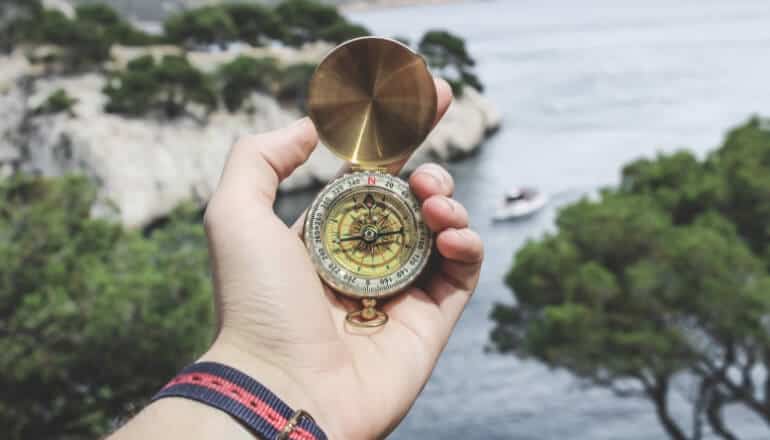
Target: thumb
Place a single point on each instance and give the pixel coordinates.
(256, 164)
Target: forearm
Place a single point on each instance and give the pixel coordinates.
(180, 418)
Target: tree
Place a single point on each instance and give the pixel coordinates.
(133, 91)
(85, 40)
(447, 53)
(244, 75)
(251, 23)
(657, 280)
(83, 43)
(93, 317)
(182, 84)
(308, 20)
(744, 160)
(112, 25)
(255, 23)
(342, 31)
(201, 26)
(168, 87)
(57, 102)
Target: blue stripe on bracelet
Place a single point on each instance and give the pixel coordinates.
(242, 397)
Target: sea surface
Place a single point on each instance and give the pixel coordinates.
(584, 87)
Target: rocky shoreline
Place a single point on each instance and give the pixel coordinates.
(146, 166)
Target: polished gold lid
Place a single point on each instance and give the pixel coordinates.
(373, 101)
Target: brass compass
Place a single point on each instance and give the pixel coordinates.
(373, 101)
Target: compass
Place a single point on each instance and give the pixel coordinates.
(373, 101)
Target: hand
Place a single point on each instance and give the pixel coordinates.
(280, 324)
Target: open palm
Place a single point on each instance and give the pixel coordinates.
(281, 324)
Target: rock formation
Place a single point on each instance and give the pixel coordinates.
(147, 166)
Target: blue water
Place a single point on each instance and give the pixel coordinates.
(583, 88)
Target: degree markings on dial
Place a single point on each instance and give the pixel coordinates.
(398, 228)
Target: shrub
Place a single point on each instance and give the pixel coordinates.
(244, 75)
(255, 23)
(114, 28)
(83, 43)
(309, 20)
(447, 53)
(93, 317)
(169, 87)
(342, 31)
(85, 40)
(57, 102)
(202, 26)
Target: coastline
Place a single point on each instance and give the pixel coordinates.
(146, 166)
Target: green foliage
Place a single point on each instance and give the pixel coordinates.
(85, 40)
(84, 43)
(744, 161)
(244, 75)
(98, 13)
(255, 23)
(169, 87)
(206, 25)
(57, 102)
(78, 294)
(308, 21)
(447, 54)
(111, 25)
(293, 22)
(342, 31)
(678, 182)
(173, 85)
(666, 275)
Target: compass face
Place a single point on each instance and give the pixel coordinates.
(366, 236)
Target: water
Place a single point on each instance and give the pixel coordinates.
(584, 87)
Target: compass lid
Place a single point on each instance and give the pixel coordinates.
(373, 101)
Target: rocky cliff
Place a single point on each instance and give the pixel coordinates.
(146, 166)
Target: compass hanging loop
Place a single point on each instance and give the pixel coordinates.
(368, 316)
(373, 101)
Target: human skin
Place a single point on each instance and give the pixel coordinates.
(278, 322)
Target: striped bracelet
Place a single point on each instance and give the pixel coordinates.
(243, 398)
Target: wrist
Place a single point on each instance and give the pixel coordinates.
(280, 381)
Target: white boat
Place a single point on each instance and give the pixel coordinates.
(520, 202)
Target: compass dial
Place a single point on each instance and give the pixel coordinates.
(366, 236)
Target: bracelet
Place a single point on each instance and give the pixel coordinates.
(243, 398)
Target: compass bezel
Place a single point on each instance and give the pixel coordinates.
(345, 281)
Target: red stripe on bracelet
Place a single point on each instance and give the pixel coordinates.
(239, 394)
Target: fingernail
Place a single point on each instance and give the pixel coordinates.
(299, 123)
(435, 172)
(444, 84)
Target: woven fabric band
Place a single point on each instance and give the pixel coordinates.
(245, 399)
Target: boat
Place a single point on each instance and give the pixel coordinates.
(520, 202)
